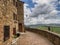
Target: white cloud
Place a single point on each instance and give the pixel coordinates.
(26, 10)
(59, 2)
(41, 1)
(43, 9)
(52, 21)
(27, 13)
(44, 12)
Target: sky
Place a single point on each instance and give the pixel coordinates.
(41, 12)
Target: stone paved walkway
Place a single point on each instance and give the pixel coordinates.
(31, 38)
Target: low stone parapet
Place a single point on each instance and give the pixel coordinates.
(51, 36)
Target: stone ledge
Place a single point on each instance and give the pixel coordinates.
(53, 37)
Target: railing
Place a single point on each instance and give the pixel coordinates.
(53, 37)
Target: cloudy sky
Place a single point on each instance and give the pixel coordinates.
(41, 12)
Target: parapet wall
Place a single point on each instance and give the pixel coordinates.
(53, 37)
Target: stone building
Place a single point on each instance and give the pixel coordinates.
(9, 20)
(20, 12)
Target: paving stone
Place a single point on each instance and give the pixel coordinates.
(31, 38)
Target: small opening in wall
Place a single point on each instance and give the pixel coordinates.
(14, 31)
(6, 32)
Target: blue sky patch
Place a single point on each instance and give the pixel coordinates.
(30, 3)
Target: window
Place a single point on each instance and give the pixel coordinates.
(6, 32)
(14, 3)
(14, 16)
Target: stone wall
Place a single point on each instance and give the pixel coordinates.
(20, 12)
(7, 9)
(6, 19)
(53, 37)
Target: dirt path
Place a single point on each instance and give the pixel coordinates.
(31, 38)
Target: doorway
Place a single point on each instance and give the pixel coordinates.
(6, 32)
(20, 27)
(14, 31)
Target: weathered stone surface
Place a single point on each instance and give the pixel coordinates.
(7, 9)
(20, 13)
(6, 18)
(51, 36)
(31, 38)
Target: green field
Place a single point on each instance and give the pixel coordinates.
(53, 29)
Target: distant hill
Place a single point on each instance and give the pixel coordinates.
(35, 26)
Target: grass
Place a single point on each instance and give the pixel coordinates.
(56, 29)
(53, 29)
(42, 28)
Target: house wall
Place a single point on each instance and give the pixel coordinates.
(6, 19)
(7, 8)
(20, 12)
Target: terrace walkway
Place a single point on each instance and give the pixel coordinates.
(31, 38)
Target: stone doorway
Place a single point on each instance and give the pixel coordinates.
(6, 32)
(14, 31)
(20, 27)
